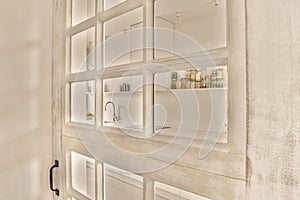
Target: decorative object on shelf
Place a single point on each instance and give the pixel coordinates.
(173, 80)
(188, 75)
(89, 115)
(213, 79)
(198, 78)
(188, 84)
(220, 77)
(90, 109)
(198, 84)
(207, 79)
(90, 65)
(125, 87)
(183, 83)
(193, 84)
(193, 75)
(178, 84)
(174, 75)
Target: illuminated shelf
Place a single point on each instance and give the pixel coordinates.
(196, 89)
(127, 92)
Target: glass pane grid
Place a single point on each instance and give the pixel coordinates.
(123, 39)
(83, 174)
(84, 110)
(83, 56)
(164, 191)
(108, 4)
(123, 102)
(121, 184)
(83, 102)
(81, 10)
(203, 21)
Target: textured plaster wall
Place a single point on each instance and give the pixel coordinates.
(274, 99)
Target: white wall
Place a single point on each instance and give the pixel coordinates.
(200, 20)
(210, 30)
(25, 99)
(274, 99)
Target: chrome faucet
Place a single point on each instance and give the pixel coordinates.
(115, 117)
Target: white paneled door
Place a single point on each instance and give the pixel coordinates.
(96, 91)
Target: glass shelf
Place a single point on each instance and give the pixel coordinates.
(196, 89)
(127, 92)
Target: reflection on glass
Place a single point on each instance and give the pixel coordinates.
(203, 21)
(82, 10)
(83, 174)
(124, 39)
(111, 3)
(82, 55)
(122, 102)
(83, 102)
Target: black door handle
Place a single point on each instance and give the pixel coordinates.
(56, 164)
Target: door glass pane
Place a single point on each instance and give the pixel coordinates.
(83, 102)
(120, 184)
(82, 10)
(203, 21)
(174, 89)
(124, 39)
(163, 192)
(111, 3)
(82, 55)
(122, 102)
(83, 174)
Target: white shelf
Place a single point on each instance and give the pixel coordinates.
(171, 90)
(128, 92)
(196, 89)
